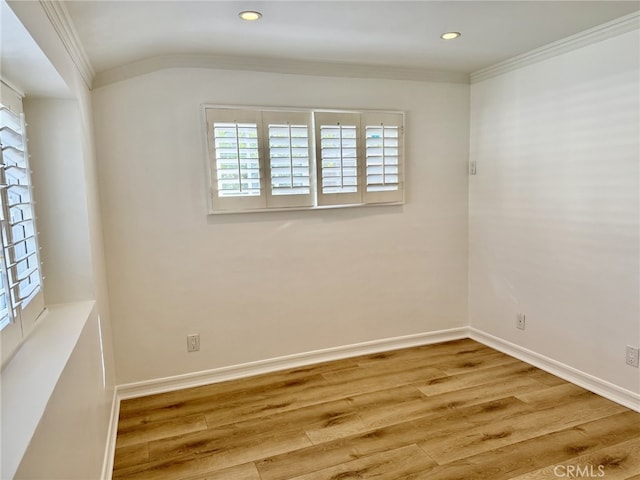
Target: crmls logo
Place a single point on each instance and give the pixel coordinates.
(578, 471)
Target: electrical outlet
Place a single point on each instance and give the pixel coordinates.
(193, 342)
(520, 321)
(632, 357)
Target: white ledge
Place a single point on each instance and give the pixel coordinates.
(29, 379)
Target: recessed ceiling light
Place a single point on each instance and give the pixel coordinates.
(450, 35)
(250, 15)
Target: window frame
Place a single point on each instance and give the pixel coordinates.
(316, 200)
(22, 315)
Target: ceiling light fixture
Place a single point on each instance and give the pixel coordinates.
(450, 35)
(250, 15)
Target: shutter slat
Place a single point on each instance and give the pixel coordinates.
(20, 266)
(289, 159)
(237, 159)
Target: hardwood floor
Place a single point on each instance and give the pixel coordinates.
(456, 410)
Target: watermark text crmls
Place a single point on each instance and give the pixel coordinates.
(579, 471)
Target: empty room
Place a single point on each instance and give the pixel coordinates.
(315, 240)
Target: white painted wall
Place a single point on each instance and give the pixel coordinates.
(258, 286)
(55, 134)
(69, 442)
(71, 438)
(554, 209)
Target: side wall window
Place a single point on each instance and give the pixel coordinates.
(21, 298)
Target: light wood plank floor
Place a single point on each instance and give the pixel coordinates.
(455, 410)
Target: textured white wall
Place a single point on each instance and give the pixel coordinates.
(554, 208)
(258, 286)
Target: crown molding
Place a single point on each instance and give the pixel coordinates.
(596, 34)
(274, 65)
(61, 20)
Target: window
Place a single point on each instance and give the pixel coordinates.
(277, 159)
(21, 299)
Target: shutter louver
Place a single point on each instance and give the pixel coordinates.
(20, 275)
(288, 145)
(236, 170)
(338, 158)
(237, 159)
(383, 157)
(289, 155)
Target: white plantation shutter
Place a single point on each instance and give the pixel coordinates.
(338, 158)
(21, 298)
(383, 157)
(261, 159)
(237, 178)
(288, 140)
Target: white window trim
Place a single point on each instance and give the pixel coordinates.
(233, 205)
(25, 314)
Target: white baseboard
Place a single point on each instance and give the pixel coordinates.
(112, 432)
(177, 382)
(608, 390)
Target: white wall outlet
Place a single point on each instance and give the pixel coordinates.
(520, 321)
(633, 356)
(193, 342)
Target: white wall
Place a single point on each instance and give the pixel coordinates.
(69, 443)
(554, 208)
(258, 286)
(55, 134)
(71, 436)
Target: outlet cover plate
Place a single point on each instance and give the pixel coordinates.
(632, 357)
(193, 342)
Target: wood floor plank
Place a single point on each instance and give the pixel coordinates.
(473, 378)
(131, 455)
(455, 410)
(523, 457)
(246, 471)
(402, 411)
(356, 380)
(161, 429)
(206, 400)
(250, 442)
(617, 462)
(238, 387)
(552, 396)
(445, 352)
(387, 465)
(223, 449)
(484, 392)
(474, 363)
(331, 453)
(528, 425)
(316, 394)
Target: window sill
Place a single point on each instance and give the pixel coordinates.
(296, 209)
(29, 379)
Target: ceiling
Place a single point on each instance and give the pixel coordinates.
(380, 33)
(347, 34)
